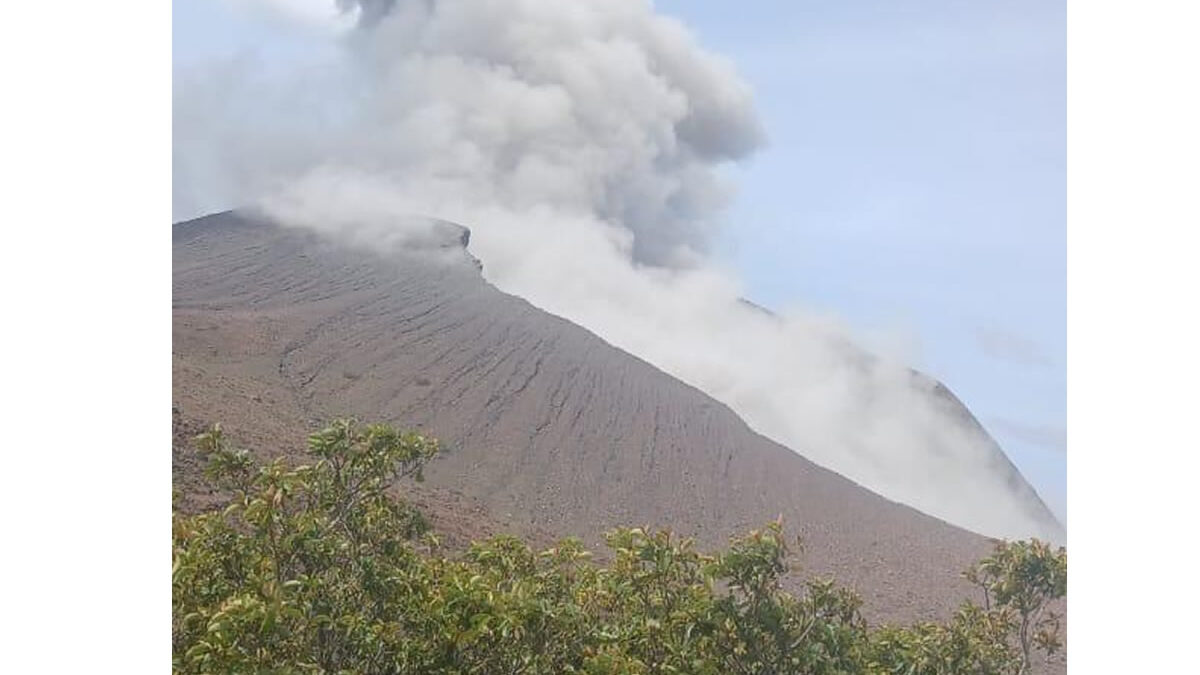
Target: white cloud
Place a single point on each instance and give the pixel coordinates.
(1010, 347)
(1048, 436)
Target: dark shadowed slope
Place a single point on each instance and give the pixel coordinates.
(549, 427)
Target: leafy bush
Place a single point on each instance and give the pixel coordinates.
(317, 569)
(1021, 579)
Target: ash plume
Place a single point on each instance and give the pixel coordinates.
(582, 142)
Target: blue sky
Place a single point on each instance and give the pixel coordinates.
(914, 184)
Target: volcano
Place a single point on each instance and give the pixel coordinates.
(548, 429)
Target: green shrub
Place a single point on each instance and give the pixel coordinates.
(318, 569)
(1020, 579)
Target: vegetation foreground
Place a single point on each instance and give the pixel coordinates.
(317, 569)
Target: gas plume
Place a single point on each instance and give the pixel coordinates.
(582, 142)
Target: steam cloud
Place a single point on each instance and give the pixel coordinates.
(582, 142)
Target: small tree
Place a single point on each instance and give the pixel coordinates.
(305, 565)
(1024, 577)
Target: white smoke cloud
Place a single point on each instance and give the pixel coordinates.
(581, 141)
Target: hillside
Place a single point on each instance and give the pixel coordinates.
(548, 428)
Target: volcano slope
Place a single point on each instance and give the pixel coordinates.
(548, 430)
